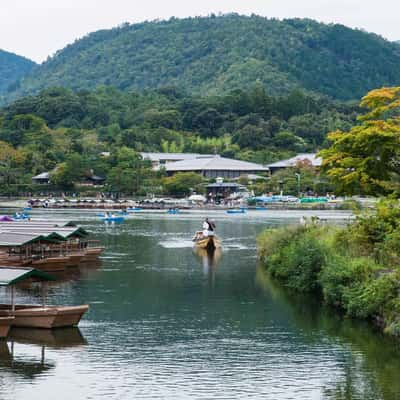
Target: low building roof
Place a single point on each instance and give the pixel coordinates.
(172, 156)
(251, 177)
(292, 162)
(214, 163)
(225, 185)
(43, 175)
(11, 276)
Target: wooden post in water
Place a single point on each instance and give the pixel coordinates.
(44, 293)
(12, 298)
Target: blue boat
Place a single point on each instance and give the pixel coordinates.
(123, 213)
(113, 219)
(173, 211)
(20, 216)
(261, 208)
(237, 211)
(27, 209)
(134, 209)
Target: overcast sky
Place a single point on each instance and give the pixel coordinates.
(38, 28)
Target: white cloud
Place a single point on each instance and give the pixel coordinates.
(38, 28)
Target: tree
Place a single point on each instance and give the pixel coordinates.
(129, 172)
(69, 172)
(366, 159)
(10, 164)
(182, 183)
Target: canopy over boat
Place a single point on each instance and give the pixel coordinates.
(11, 276)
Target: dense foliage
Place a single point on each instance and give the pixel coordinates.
(12, 68)
(355, 268)
(365, 159)
(85, 132)
(214, 55)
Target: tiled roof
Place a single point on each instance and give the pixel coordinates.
(214, 163)
(172, 156)
(291, 162)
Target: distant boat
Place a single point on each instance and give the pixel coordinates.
(134, 209)
(114, 218)
(236, 211)
(261, 208)
(123, 213)
(20, 216)
(173, 211)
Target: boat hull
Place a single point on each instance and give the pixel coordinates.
(92, 254)
(51, 264)
(28, 316)
(5, 325)
(208, 243)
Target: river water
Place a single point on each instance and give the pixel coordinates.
(166, 323)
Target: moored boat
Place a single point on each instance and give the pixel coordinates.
(5, 325)
(92, 253)
(36, 316)
(52, 264)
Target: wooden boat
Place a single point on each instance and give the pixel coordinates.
(5, 325)
(92, 253)
(47, 317)
(75, 259)
(14, 261)
(210, 243)
(51, 264)
(36, 316)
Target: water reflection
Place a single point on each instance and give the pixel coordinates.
(28, 366)
(370, 371)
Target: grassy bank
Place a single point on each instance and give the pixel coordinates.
(355, 268)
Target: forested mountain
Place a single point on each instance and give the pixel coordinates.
(214, 55)
(12, 68)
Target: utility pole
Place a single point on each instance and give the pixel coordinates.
(298, 176)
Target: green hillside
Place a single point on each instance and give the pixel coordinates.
(215, 55)
(12, 68)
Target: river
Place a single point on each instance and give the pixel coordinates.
(166, 323)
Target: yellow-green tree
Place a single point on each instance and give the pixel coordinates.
(366, 159)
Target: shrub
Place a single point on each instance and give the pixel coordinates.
(295, 256)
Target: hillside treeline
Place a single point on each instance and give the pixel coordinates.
(59, 126)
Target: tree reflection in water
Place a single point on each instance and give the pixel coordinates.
(371, 369)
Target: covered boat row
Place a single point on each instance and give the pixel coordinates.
(48, 246)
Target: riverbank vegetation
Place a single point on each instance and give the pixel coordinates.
(354, 268)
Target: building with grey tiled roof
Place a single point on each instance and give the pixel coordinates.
(216, 166)
(161, 159)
